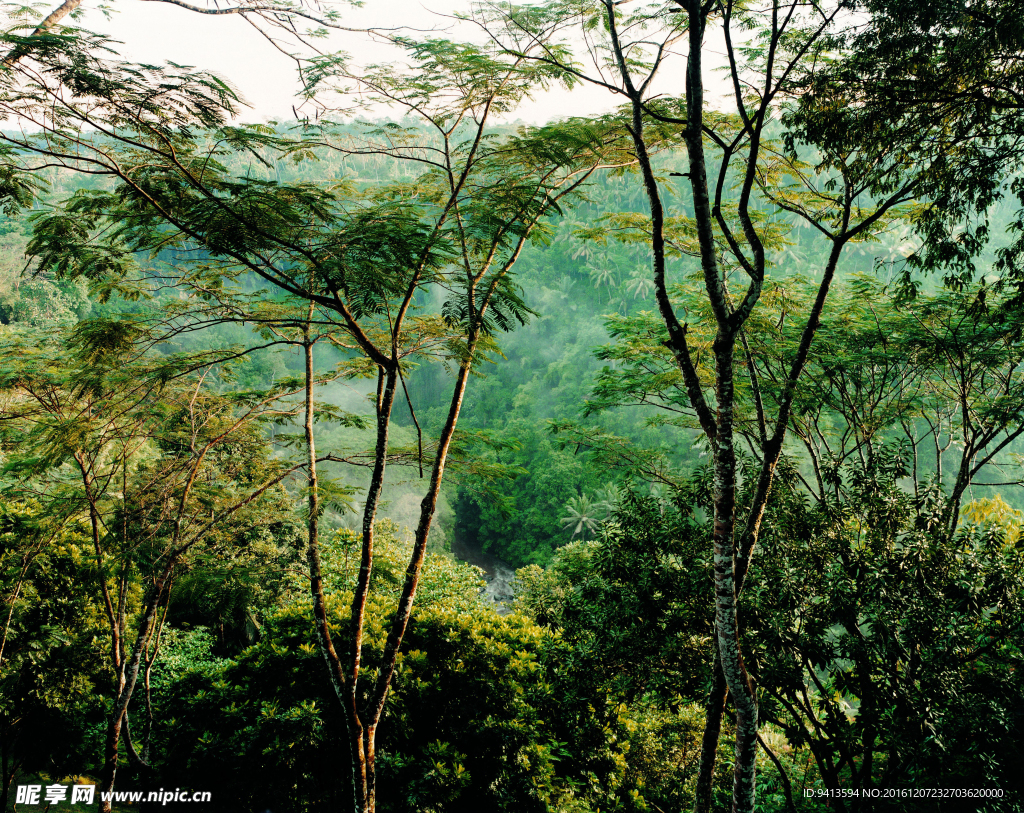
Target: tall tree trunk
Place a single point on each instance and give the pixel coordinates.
(345, 678)
(729, 323)
(714, 711)
(110, 760)
(363, 726)
(400, 622)
(362, 733)
(677, 343)
(127, 678)
(326, 643)
(726, 620)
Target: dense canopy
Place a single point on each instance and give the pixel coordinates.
(406, 456)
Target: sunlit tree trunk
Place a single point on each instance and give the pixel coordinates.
(127, 677)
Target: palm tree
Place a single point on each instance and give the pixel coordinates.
(608, 499)
(578, 247)
(640, 285)
(582, 515)
(603, 271)
(565, 285)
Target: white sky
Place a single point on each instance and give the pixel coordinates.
(155, 32)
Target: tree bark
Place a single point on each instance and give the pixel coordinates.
(729, 323)
(127, 678)
(49, 22)
(726, 617)
(325, 640)
(714, 711)
(363, 734)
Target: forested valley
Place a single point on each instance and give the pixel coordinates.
(409, 456)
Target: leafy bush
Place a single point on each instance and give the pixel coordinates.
(903, 666)
(468, 725)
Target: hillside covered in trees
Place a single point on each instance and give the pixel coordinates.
(730, 377)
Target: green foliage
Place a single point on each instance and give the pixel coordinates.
(467, 726)
(927, 86)
(523, 523)
(632, 650)
(581, 516)
(233, 591)
(633, 607)
(908, 640)
(44, 303)
(51, 677)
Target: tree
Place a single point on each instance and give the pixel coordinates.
(135, 448)
(581, 516)
(904, 650)
(48, 673)
(632, 603)
(847, 196)
(634, 621)
(364, 263)
(903, 410)
(485, 205)
(470, 723)
(943, 83)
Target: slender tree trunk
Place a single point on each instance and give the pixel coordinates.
(49, 22)
(677, 343)
(110, 759)
(331, 657)
(13, 600)
(726, 620)
(361, 737)
(714, 711)
(363, 734)
(363, 726)
(127, 678)
(428, 507)
(729, 324)
(150, 660)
